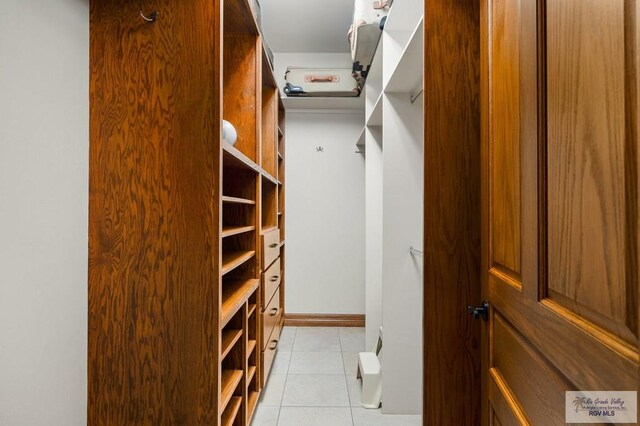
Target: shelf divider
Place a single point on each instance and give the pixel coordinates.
(230, 381)
(234, 295)
(230, 414)
(251, 345)
(228, 231)
(236, 200)
(229, 339)
(231, 260)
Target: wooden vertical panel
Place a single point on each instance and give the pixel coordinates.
(452, 212)
(269, 145)
(154, 156)
(505, 137)
(592, 164)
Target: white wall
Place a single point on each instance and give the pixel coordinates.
(44, 119)
(325, 240)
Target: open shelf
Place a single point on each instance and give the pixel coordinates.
(229, 338)
(251, 408)
(406, 76)
(230, 414)
(251, 345)
(228, 231)
(251, 372)
(231, 260)
(251, 309)
(269, 178)
(230, 381)
(235, 294)
(234, 158)
(236, 200)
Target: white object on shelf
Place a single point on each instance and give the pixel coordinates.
(229, 132)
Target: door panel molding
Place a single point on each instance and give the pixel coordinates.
(545, 329)
(503, 402)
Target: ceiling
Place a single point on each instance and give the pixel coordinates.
(307, 25)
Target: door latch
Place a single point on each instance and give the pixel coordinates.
(481, 311)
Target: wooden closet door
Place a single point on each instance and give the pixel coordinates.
(560, 204)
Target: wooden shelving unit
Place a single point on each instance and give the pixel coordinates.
(178, 214)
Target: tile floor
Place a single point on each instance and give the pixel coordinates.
(313, 382)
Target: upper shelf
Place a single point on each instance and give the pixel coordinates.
(403, 15)
(318, 103)
(234, 158)
(407, 74)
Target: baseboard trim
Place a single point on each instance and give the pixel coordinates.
(324, 320)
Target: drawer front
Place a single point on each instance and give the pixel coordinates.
(270, 318)
(269, 354)
(270, 282)
(270, 247)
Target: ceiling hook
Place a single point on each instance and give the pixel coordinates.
(153, 17)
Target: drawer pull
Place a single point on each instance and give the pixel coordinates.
(274, 245)
(273, 312)
(274, 278)
(275, 346)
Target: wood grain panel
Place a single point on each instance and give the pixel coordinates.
(536, 386)
(269, 144)
(239, 18)
(504, 98)
(154, 139)
(240, 97)
(452, 219)
(592, 164)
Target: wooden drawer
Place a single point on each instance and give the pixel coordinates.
(270, 282)
(269, 354)
(270, 318)
(270, 247)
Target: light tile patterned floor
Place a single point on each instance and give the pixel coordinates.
(313, 382)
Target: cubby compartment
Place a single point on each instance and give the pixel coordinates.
(269, 161)
(239, 90)
(269, 204)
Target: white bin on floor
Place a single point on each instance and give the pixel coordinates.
(370, 372)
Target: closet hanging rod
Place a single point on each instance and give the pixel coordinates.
(415, 98)
(414, 251)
